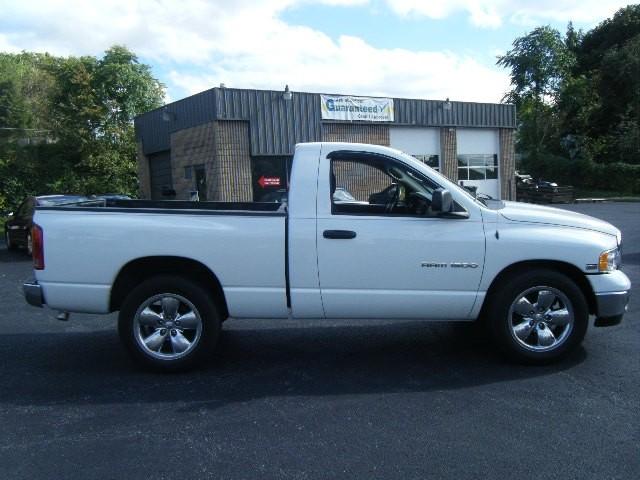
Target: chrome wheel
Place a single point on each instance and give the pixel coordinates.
(167, 326)
(541, 318)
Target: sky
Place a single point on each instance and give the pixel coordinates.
(433, 49)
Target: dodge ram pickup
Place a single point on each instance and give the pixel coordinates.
(365, 232)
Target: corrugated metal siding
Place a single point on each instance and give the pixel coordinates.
(275, 126)
(155, 133)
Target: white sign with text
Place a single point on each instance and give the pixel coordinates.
(338, 107)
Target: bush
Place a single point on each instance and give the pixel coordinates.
(623, 178)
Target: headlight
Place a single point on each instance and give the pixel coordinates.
(609, 260)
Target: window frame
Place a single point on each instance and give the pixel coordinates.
(485, 167)
(360, 156)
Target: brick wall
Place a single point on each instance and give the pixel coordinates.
(448, 147)
(507, 164)
(359, 180)
(358, 133)
(229, 179)
(144, 178)
(223, 148)
(191, 146)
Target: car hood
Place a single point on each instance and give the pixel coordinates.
(527, 212)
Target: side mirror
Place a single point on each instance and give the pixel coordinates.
(441, 201)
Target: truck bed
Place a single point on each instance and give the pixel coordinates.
(175, 206)
(87, 245)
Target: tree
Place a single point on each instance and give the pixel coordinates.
(578, 101)
(538, 63)
(604, 100)
(80, 111)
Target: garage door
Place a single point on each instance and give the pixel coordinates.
(422, 143)
(160, 174)
(478, 160)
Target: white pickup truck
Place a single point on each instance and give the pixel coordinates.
(366, 232)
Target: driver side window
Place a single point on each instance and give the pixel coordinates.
(364, 184)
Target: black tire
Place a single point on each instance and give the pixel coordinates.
(501, 324)
(190, 297)
(7, 240)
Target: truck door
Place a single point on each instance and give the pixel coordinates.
(381, 254)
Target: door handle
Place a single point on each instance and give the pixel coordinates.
(339, 234)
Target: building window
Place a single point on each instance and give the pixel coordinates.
(187, 173)
(431, 160)
(477, 167)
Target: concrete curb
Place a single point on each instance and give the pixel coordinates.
(608, 199)
(590, 200)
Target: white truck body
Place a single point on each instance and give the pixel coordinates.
(278, 263)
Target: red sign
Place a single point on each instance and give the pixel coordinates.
(269, 181)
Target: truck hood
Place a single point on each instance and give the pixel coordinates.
(527, 212)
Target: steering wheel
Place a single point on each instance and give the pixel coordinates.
(394, 199)
(419, 203)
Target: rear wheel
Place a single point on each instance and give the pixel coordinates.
(169, 323)
(538, 316)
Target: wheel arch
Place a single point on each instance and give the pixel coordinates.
(571, 271)
(140, 269)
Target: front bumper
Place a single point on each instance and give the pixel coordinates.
(610, 308)
(33, 294)
(612, 291)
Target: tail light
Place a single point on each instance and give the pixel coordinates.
(37, 247)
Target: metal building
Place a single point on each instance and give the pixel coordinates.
(236, 145)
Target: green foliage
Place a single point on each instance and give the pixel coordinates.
(538, 62)
(67, 123)
(578, 102)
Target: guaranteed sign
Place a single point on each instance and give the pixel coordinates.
(348, 108)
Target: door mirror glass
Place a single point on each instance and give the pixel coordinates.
(441, 201)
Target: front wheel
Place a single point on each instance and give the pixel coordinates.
(169, 323)
(538, 317)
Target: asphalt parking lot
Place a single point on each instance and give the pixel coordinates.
(284, 399)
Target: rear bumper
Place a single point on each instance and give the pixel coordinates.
(33, 294)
